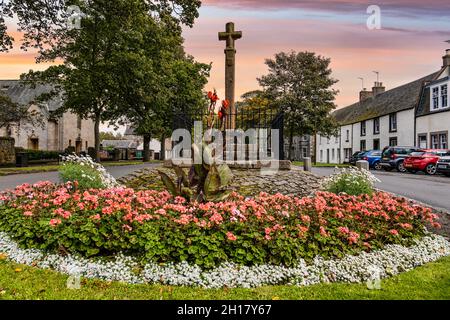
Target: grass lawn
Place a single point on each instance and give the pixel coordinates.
(431, 281)
(54, 167)
(322, 165)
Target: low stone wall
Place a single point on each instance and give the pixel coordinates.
(247, 182)
(7, 151)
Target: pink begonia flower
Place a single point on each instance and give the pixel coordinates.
(231, 236)
(55, 222)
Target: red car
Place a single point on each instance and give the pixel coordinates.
(424, 160)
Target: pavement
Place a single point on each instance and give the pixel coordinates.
(431, 190)
(10, 182)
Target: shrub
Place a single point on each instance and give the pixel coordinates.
(36, 155)
(155, 226)
(87, 173)
(351, 181)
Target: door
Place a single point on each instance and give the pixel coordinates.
(328, 155)
(78, 146)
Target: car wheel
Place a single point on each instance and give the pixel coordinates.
(430, 169)
(377, 166)
(401, 167)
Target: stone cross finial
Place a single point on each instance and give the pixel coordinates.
(230, 36)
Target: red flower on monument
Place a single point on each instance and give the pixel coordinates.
(225, 104)
(213, 96)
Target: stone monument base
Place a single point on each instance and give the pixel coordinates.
(246, 165)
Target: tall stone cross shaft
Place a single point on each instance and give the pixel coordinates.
(230, 36)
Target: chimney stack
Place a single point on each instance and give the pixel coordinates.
(378, 88)
(364, 95)
(446, 58)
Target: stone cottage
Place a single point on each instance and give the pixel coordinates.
(57, 132)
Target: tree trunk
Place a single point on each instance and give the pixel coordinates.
(97, 137)
(291, 146)
(314, 157)
(163, 148)
(147, 139)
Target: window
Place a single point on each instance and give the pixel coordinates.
(393, 122)
(363, 145)
(328, 140)
(79, 123)
(337, 139)
(332, 154)
(320, 140)
(435, 98)
(423, 143)
(347, 139)
(393, 142)
(321, 155)
(363, 128)
(87, 145)
(439, 140)
(376, 144)
(339, 155)
(305, 152)
(376, 126)
(444, 96)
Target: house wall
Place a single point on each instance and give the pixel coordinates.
(404, 135)
(71, 132)
(433, 123)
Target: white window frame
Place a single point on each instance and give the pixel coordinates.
(439, 99)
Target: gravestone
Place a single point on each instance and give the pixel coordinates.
(7, 151)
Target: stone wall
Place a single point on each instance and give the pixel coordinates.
(7, 151)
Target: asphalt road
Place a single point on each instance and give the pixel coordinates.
(9, 182)
(431, 190)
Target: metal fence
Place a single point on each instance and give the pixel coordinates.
(243, 119)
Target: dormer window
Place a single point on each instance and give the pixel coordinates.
(436, 98)
(439, 97)
(444, 96)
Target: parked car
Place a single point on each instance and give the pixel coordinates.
(425, 160)
(393, 157)
(374, 158)
(356, 157)
(443, 165)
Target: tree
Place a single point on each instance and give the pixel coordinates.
(158, 81)
(300, 84)
(88, 75)
(111, 136)
(14, 114)
(254, 107)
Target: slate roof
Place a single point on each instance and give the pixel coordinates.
(398, 99)
(24, 94)
(120, 144)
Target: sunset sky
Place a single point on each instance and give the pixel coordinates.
(409, 45)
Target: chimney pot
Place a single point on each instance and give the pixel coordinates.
(446, 58)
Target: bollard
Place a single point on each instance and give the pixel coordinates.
(362, 164)
(307, 165)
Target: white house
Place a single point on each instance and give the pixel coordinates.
(57, 132)
(414, 114)
(433, 112)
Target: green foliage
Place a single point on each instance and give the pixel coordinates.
(42, 155)
(86, 176)
(300, 84)
(351, 181)
(210, 182)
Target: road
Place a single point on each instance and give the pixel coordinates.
(9, 182)
(431, 190)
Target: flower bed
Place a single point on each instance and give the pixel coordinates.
(155, 227)
(379, 264)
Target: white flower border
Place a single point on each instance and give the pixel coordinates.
(392, 260)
